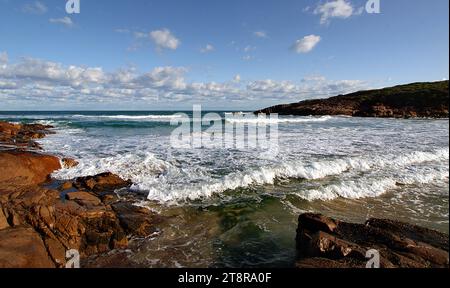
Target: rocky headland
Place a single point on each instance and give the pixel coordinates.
(417, 100)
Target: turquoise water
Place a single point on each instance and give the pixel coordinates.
(233, 207)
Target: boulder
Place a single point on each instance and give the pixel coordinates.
(69, 163)
(325, 242)
(23, 248)
(136, 221)
(84, 198)
(8, 129)
(26, 168)
(101, 183)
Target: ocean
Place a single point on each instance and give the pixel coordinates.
(233, 207)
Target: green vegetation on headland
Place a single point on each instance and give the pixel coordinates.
(429, 99)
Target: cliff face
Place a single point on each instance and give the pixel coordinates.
(405, 101)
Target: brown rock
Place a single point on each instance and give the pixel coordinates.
(317, 222)
(345, 244)
(88, 227)
(103, 234)
(28, 211)
(83, 198)
(101, 183)
(109, 199)
(66, 186)
(324, 263)
(135, 220)
(23, 248)
(26, 168)
(56, 251)
(3, 221)
(13, 218)
(69, 163)
(9, 129)
(22, 135)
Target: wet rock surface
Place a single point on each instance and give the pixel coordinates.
(136, 221)
(23, 247)
(38, 224)
(69, 163)
(22, 168)
(323, 242)
(22, 136)
(103, 182)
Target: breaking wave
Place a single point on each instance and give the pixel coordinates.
(130, 117)
(268, 120)
(155, 176)
(366, 187)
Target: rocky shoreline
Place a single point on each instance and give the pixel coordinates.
(41, 219)
(39, 224)
(417, 100)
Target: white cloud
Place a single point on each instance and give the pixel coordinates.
(33, 81)
(3, 57)
(207, 48)
(317, 87)
(164, 39)
(122, 30)
(313, 77)
(6, 85)
(35, 7)
(247, 58)
(249, 48)
(140, 35)
(359, 11)
(171, 78)
(66, 21)
(271, 86)
(260, 34)
(334, 9)
(306, 44)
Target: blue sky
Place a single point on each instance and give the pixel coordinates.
(247, 54)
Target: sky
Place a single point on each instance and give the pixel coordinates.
(223, 55)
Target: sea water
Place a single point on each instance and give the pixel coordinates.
(234, 208)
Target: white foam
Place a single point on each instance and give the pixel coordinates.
(47, 122)
(137, 167)
(152, 175)
(130, 117)
(298, 170)
(366, 187)
(202, 173)
(268, 120)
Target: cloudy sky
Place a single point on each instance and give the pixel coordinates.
(234, 54)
